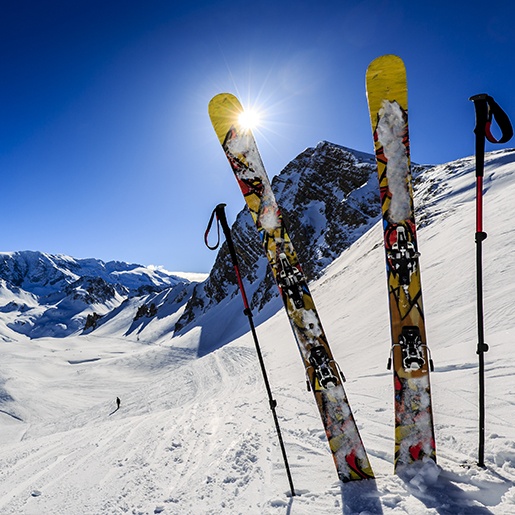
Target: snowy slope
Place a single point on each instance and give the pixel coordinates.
(195, 436)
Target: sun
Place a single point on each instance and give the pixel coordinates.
(249, 119)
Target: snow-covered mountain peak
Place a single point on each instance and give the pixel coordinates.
(43, 274)
(52, 295)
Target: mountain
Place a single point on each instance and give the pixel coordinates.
(328, 197)
(194, 434)
(56, 295)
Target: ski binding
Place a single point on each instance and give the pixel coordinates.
(411, 347)
(403, 257)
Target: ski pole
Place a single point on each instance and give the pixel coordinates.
(486, 108)
(221, 219)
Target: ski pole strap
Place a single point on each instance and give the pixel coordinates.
(221, 220)
(208, 230)
(486, 110)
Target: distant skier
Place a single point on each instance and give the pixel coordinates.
(118, 402)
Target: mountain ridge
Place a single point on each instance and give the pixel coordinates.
(328, 197)
(53, 295)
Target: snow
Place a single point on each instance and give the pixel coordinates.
(391, 129)
(196, 277)
(194, 435)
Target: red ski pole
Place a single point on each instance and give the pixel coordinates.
(221, 219)
(486, 109)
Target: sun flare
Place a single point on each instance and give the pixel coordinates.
(249, 119)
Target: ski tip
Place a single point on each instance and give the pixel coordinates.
(224, 110)
(222, 98)
(386, 80)
(389, 68)
(386, 60)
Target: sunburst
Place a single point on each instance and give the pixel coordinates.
(249, 119)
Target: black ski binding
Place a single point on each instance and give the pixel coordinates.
(290, 281)
(403, 257)
(321, 364)
(412, 347)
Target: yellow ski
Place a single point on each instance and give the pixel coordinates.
(388, 104)
(323, 373)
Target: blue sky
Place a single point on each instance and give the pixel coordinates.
(106, 148)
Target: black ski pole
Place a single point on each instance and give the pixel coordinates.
(486, 108)
(219, 212)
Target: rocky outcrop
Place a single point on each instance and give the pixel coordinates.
(328, 197)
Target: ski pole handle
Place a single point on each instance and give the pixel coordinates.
(222, 219)
(487, 109)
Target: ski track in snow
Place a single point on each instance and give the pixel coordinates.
(195, 435)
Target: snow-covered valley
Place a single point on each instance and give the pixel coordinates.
(194, 433)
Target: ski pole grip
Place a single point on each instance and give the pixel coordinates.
(486, 110)
(222, 219)
(481, 109)
(220, 216)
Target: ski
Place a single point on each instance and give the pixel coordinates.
(387, 95)
(323, 373)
